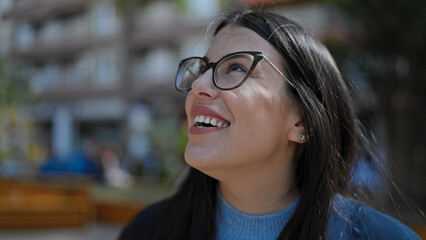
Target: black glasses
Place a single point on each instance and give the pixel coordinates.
(229, 72)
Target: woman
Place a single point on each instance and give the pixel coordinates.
(272, 136)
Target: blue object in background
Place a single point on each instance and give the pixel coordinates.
(78, 163)
(367, 175)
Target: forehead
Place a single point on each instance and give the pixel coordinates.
(234, 39)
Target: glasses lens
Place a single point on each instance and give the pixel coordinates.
(189, 70)
(233, 70)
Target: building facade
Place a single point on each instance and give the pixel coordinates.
(101, 71)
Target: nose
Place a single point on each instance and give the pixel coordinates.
(204, 87)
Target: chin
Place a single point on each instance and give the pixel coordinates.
(198, 161)
(201, 161)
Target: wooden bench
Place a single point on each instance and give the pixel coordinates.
(117, 212)
(41, 204)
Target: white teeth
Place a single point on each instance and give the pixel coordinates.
(209, 120)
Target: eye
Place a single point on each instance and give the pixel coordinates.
(236, 67)
(236, 64)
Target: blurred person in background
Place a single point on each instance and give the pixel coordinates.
(272, 138)
(114, 174)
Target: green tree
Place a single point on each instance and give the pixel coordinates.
(15, 122)
(13, 85)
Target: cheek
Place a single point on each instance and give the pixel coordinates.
(261, 113)
(188, 104)
(259, 103)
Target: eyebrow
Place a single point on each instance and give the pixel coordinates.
(207, 59)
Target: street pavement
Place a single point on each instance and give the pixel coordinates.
(93, 231)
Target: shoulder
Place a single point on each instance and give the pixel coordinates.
(141, 224)
(363, 222)
(147, 212)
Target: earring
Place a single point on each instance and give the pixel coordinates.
(302, 137)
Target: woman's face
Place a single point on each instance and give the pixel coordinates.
(259, 121)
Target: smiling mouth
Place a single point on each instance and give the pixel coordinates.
(201, 121)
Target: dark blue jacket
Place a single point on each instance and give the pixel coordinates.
(353, 220)
(349, 220)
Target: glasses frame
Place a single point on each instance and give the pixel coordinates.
(258, 56)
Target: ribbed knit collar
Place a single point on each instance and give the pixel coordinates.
(234, 224)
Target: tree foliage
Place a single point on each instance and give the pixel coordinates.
(15, 123)
(13, 85)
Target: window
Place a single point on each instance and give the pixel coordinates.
(24, 35)
(51, 31)
(157, 65)
(106, 68)
(104, 19)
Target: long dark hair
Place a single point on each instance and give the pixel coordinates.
(324, 163)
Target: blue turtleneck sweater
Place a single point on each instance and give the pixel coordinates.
(236, 225)
(349, 220)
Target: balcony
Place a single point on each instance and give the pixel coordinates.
(33, 11)
(145, 36)
(61, 49)
(67, 93)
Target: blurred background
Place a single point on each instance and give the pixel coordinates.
(92, 129)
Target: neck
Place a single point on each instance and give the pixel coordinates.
(260, 193)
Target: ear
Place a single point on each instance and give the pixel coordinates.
(294, 135)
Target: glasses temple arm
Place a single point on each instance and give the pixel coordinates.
(277, 70)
